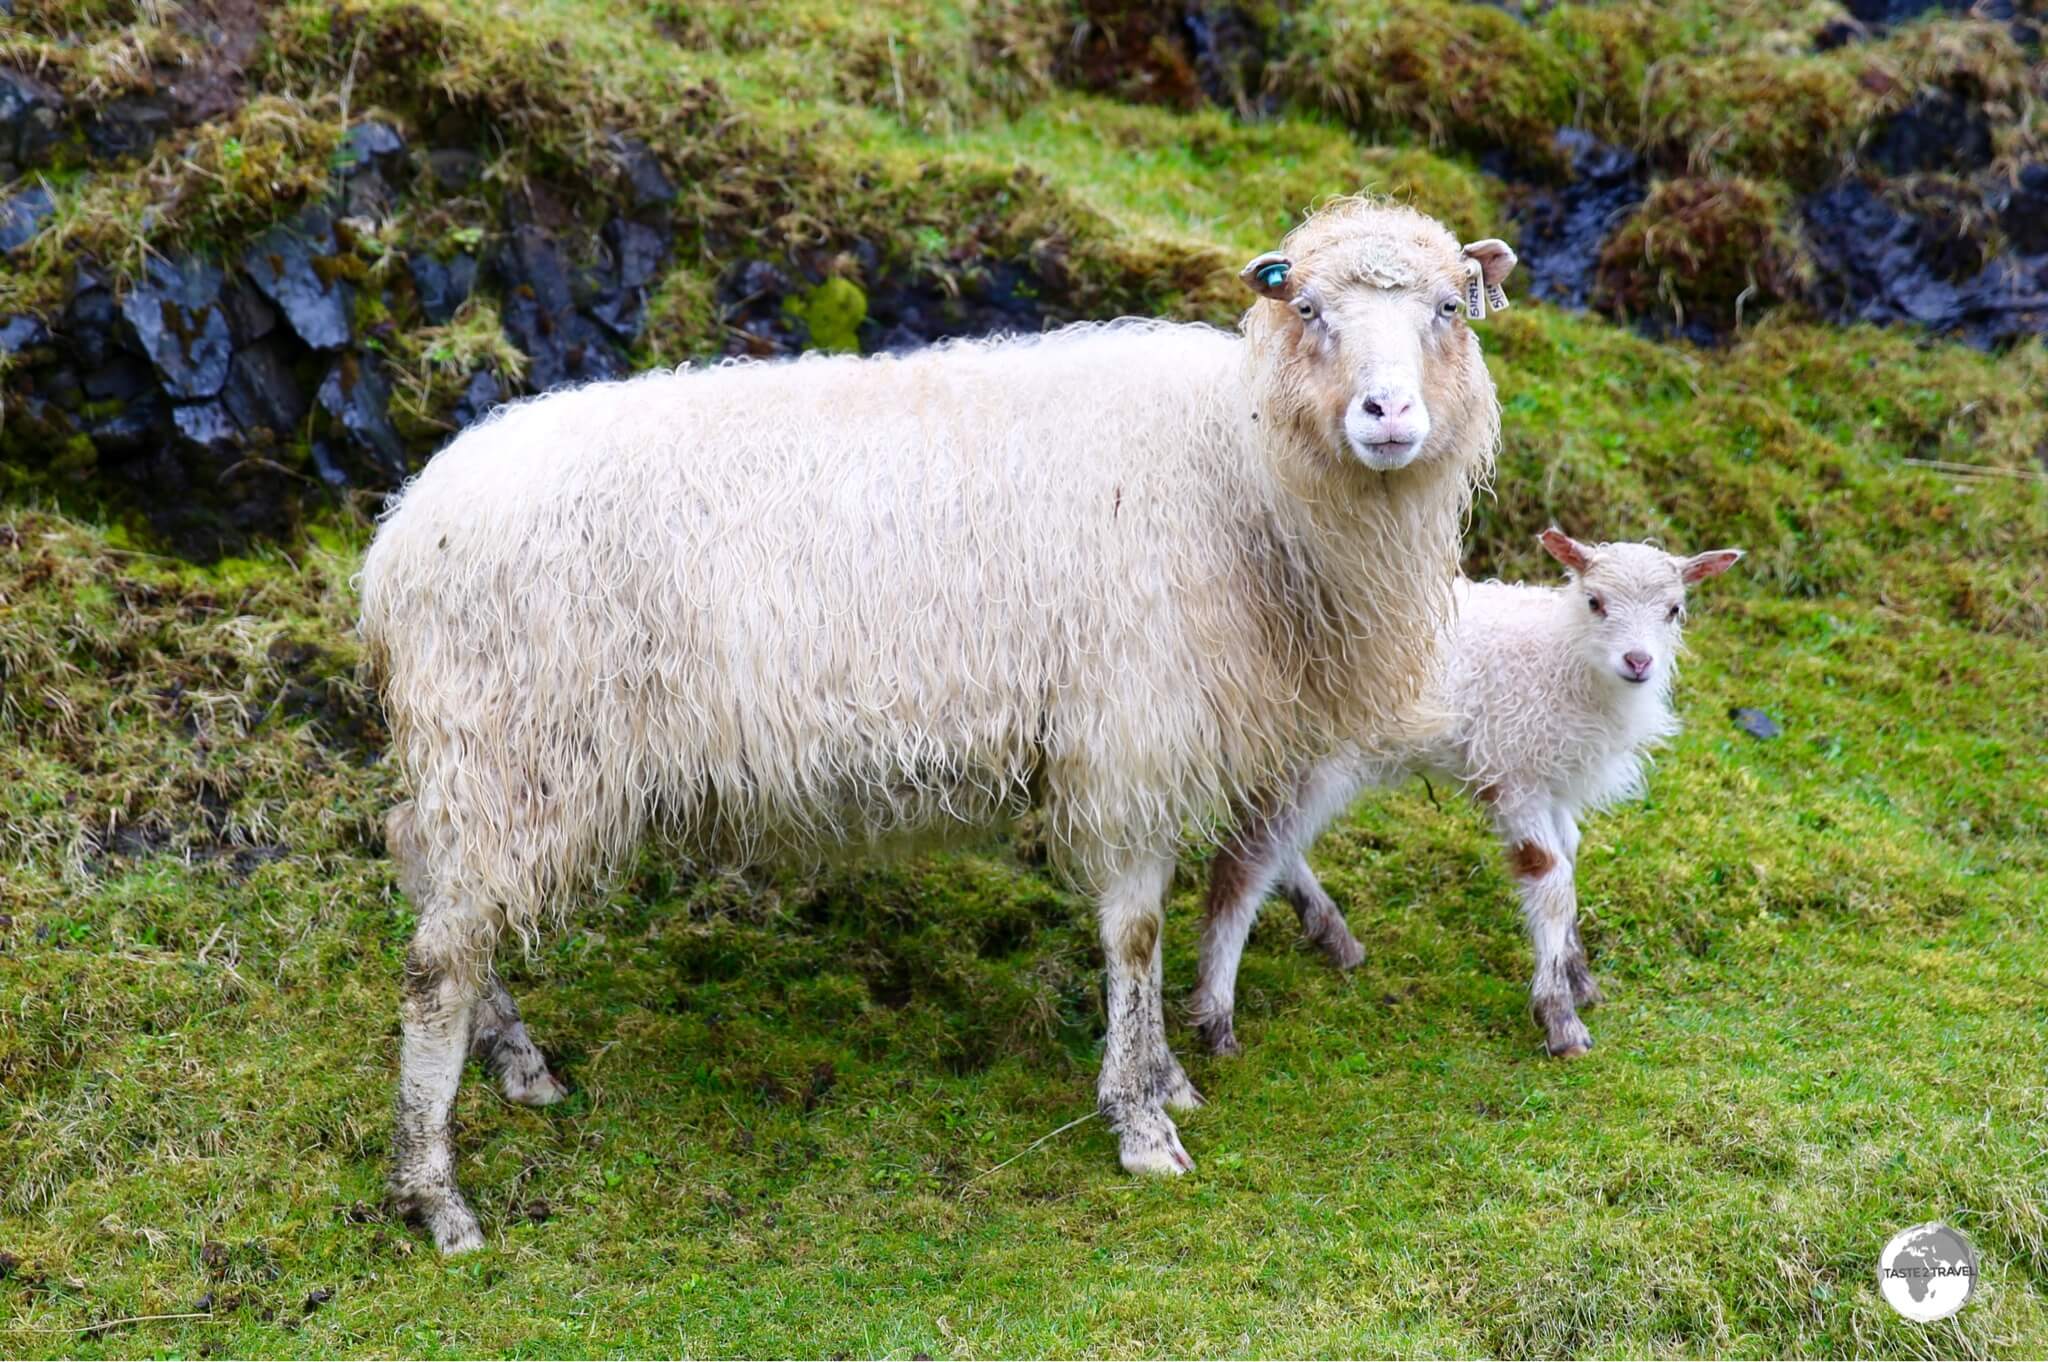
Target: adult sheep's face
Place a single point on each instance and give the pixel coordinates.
(1364, 319)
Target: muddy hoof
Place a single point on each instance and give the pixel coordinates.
(443, 1215)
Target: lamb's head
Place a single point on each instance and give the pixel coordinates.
(1361, 341)
(1627, 605)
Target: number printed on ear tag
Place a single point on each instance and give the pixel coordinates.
(1475, 298)
(1497, 297)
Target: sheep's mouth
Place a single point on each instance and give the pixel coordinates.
(1386, 454)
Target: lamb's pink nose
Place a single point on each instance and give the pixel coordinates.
(1638, 665)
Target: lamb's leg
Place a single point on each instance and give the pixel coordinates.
(1543, 874)
(1140, 1077)
(443, 974)
(1585, 989)
(1239, 878)
(500, 1043)
(1322, 922)
(1267, 848)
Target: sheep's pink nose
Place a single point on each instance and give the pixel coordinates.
(1388, 408)
(1638, 664)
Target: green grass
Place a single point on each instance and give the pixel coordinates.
(797, 1100)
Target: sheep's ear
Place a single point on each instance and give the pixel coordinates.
(1491, 262)
(1270, 276)
(1712, 563)
(1496, 259)
(1566, 549)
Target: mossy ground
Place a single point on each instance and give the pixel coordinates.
(1823, 953)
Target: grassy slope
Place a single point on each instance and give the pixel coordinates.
(1822, 953)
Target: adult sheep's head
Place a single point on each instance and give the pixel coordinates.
(1362, 340)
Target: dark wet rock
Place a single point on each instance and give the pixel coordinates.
(442, 286)
(1897, 11)
(261, 393)
(121, 379)
(484, 394)
(1755, 722)
(1881, 260)
(1839, 33)
(21, 333)
(2024, 216)
(31, 122)
(1937, 131)
(128, 127)
(22, 215)
(206, 424)
(178, 322)
(136, 426)
(326, 465)
(373, 145)
(635, 255)
(454, 167)
(1175, 52)
(250, 315)
(286, 263)
(87, 325)
(355, 394)
(1563, 227)
(541, 317)
(643, 172)
(990, 299)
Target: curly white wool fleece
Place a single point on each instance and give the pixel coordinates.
(774, 608)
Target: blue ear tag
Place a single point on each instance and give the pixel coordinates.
(1274, 275)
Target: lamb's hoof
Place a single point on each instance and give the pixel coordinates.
(442, 1214)
(542, 1090)
(1345, 953)
(1150, 1146)
(1220, 1038)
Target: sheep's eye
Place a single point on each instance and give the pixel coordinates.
(1596, 605)
(1305, 308)
(1447, 308)
(1671, 615)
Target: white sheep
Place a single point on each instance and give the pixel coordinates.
(1557, 694)
(1126, 573)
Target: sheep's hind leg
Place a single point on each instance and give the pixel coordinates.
(499, 1042)
(436, 1011)
(1140, 1076)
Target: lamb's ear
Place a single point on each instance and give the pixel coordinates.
(1494, 262)
(1270, 276)
(1566, 549)
(1712, 563)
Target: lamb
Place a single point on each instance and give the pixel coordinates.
(1556, 696)
(1127, 574)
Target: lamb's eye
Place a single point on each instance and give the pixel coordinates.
(1447, 308)
(1305, 308)
(1671, 615)
(1596, 605)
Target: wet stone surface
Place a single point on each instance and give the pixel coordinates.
(286, 263)
(177, 321)
(1937, 131)
(441, 286)
(355, 394)
(541, 317)
(127, 128)
(22, 214)
(31, 122)
(1563, 227)
(1881, 261)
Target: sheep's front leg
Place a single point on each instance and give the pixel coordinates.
(1543, 874)
(1585, 989)
(1140, 1076)
(436, 1012)
(499, 1042)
